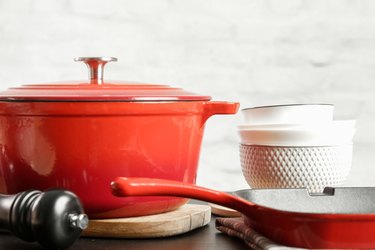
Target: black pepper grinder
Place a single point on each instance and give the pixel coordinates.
(53, 218)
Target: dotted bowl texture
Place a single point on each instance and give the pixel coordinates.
(295, 167)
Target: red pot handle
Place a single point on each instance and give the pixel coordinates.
(158, 187)
(219, 108)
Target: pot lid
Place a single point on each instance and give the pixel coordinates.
(96, 89)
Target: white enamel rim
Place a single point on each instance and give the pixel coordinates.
(289, 113)
(338, 124)
(297, 138)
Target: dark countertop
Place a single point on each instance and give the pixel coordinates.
(202, 238)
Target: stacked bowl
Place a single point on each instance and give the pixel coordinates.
(295, 146)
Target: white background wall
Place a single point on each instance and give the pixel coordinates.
(257, 52)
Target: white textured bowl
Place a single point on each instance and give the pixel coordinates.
(295, 167)
(292, 113)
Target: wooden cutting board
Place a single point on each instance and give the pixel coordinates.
(182, 220)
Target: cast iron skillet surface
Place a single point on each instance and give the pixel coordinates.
(339, 200)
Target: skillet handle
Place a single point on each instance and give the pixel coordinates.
(124, 187)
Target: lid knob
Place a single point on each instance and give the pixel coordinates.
(96, 67)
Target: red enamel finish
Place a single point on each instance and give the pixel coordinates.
(83, 146)
(308, 230)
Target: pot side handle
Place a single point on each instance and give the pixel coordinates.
(125, 187)
(219, 108)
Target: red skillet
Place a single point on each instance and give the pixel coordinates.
(338, 218)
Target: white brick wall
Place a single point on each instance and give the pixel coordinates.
(256, 52)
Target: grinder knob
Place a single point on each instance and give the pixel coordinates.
(53, 218)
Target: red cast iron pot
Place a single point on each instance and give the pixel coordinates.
(81, 136)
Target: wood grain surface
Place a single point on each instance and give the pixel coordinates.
(182, 220)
